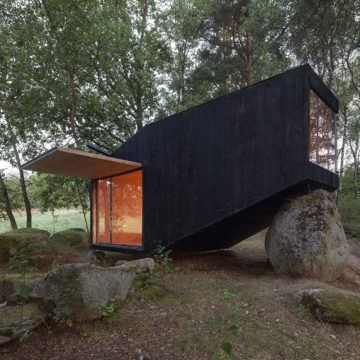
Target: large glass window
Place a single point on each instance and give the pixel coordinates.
(322, 149)
(117, 210)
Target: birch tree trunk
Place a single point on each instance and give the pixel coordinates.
(7, 202)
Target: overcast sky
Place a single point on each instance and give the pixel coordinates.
(4, 165)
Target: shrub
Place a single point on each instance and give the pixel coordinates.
(162, 258)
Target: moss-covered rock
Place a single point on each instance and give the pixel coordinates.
(15, 288)
(11, 241)
(7, 247)
(77, 239)
(7, 291)
(332, 306)
(17, 321)
(306, 238)
(79, 291)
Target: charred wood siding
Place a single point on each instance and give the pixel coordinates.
(216, 160)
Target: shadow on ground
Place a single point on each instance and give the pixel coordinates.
(247, 257)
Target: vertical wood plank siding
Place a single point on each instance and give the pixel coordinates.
(230, 161)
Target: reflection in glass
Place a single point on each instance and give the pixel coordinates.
(322, 134)
(117, 210)
(127, 209)
(103, 210)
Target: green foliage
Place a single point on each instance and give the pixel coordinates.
(78, 71)
(7, 246)
(148, 286)
(335, 307)
(349, 203)
(108, 310)
(59, 220)
(18, 246)
(144, 279)
(50, 192)
(23, 256)
(227, 349)
(229, 327)
(162, 258)
(228, 295)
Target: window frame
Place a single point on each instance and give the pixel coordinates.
(94, 243)
(334, 118)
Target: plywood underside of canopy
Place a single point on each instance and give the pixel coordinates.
(69, 162)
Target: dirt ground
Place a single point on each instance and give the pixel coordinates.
(225, 297)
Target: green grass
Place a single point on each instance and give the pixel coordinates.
(62, 219)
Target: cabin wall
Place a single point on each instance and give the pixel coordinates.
(214, 160)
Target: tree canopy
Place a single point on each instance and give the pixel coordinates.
(73, 71)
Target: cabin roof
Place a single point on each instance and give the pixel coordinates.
(306, 70)
(70, 162)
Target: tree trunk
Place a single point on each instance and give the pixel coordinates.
(7, 202)
(73, 108)
(23, 188)
(139, 108)
(248, 62)
(355, 154)
(22, 177)
(225, 56)
(342, 154)
(82, 204)
(139, 82)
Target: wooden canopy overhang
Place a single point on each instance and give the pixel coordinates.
(69, 162)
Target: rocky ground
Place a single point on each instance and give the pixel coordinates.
(212, 305)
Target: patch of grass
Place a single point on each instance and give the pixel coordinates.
(63, 219)
(148, 286)
(153, 293)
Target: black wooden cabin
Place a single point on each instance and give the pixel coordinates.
(211, 176)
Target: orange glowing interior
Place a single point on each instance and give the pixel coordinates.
(117, 210)
(322, 134)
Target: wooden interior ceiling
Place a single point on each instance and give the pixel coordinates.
(69, 162)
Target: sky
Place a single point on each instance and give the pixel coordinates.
(8, 169)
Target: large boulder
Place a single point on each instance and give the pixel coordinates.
(77, 239)
(332, 306)
(7, 291)
(11, 241)
(16, 288)
(307, 239)
(351, 272)
(18, 321)
(79, 291)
